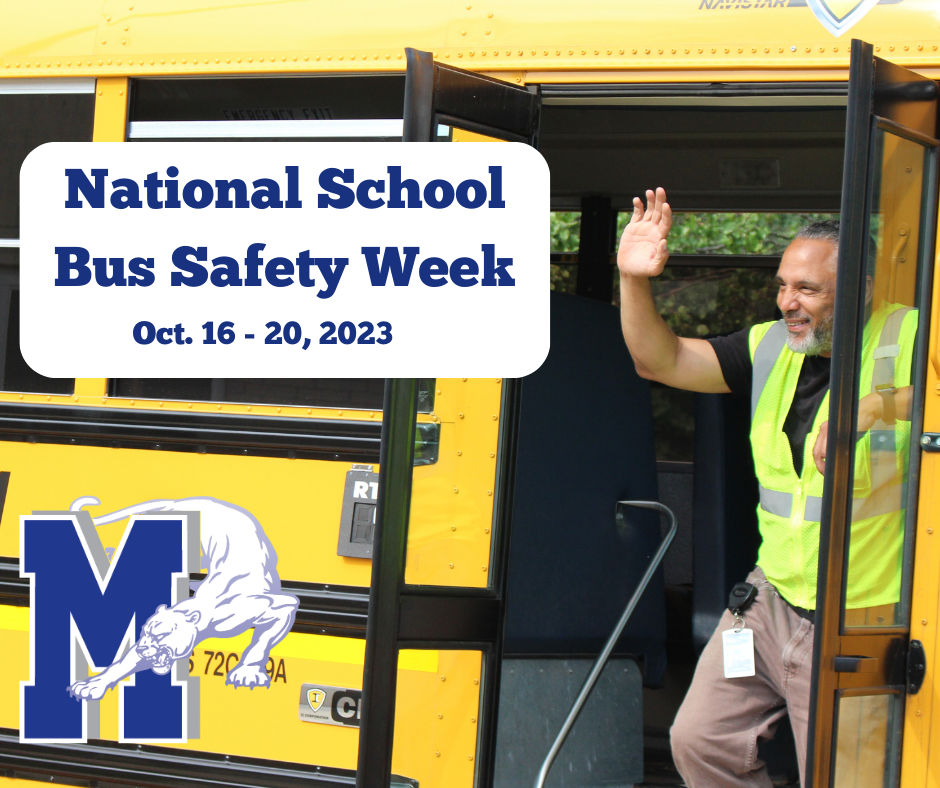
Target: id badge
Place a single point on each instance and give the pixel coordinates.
(738, 646)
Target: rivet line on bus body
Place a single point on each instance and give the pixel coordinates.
(451, 566)
(437, 753)
(486, 530)
(923, 621)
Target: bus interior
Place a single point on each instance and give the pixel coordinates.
(722, 148)
(588, 431)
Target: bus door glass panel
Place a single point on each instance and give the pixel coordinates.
(453, 525)
(876, 595)
(866, 553)
(455, 510)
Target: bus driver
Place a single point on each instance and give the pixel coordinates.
(784, 367)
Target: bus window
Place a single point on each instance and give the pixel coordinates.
(720, 278)
(349, 108)
(352, 393)
(565, 230)
(33, 112)
(15, 374)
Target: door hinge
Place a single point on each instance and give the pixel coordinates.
(930, 441)
(916, 666)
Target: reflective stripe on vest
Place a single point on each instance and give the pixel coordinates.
(884, 456)
(881, 502)
(765, 356)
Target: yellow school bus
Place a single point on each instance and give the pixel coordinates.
(444, 649)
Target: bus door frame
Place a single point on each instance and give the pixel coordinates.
(440, 617)
(881, 95)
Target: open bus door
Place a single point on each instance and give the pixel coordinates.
(408, 607)
(867, 651)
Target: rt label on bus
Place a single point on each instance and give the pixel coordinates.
(284, 260)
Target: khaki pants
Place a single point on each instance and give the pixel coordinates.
(714, 737)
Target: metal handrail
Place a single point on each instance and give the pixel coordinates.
(595, 673)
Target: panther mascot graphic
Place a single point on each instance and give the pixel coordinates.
(241, 591)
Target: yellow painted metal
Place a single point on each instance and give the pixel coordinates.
(110, 109)
(297, 502)
(450, 530)
(131, 37)
(462, 135)
(437, 703)
(89, 387)
(920, 769)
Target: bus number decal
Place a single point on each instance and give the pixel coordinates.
(277, 671)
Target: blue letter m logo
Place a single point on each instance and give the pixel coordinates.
(86, 615)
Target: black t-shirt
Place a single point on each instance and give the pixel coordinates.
(735, 359)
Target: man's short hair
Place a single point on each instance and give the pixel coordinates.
(825, 230)
(828, 230)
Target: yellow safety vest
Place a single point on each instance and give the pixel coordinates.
(791, 506)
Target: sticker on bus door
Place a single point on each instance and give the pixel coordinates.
(330, 705)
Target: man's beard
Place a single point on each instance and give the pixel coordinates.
(818, 339)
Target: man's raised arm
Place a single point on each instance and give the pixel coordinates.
(657, 352)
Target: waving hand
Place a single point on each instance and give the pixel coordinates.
(643, 251)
